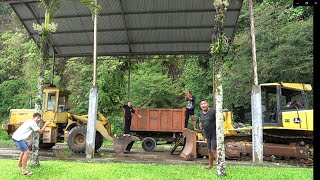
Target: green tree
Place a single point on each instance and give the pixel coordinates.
(284, 51)
(151, 88)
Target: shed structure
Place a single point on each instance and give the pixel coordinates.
(130, 27)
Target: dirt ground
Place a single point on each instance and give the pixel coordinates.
(137, 155)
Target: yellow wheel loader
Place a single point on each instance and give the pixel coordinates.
(66, 127)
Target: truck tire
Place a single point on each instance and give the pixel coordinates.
(148, 144)
(77, 139)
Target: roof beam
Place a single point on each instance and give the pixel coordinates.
(137, 29)
(137, 13)
(139, 53)
(133, 43)
(140, 57)
(125, 25)
(20, 1)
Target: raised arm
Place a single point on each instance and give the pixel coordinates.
(40, 131)
(188, 96)
(118, 98)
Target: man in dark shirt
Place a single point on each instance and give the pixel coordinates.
(207, 122)
(128, 109)
(189, 109)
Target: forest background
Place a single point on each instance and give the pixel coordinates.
(284, 54)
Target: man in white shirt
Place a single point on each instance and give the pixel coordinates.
(22, 133)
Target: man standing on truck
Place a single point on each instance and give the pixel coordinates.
(207, 122)
(21, 134)
(128, 108)
(189, 109)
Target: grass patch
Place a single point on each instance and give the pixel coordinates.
(3, 134)
(7, 144)
(79, 170)
(5, 139)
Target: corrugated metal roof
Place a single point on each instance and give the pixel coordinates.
(131, 27)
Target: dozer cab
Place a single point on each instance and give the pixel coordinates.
(285, 109)
(66, 127)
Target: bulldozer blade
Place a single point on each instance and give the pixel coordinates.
(122, 144)
(189, 151)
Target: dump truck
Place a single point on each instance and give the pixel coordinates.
(160, 124)
(157, 124)
(287, 127)
(66, 127)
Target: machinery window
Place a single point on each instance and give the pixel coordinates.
(51, 101)
(269, 107)
(62, 104)
(294, 101)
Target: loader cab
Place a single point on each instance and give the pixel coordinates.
(55, 104)
(286, 105)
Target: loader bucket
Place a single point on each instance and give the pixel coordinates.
(103, 131)
(122, 144)
(189, 151)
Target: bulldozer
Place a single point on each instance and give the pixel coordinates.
(66, 127)
(287, 127)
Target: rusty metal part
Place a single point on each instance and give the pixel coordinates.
(122, 144)
(189, 151)
(179, 142)
(202, 149)
(240, 149)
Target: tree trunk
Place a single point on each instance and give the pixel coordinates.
(44, 50)
(253, 43)
(221, 164)
(218, 47)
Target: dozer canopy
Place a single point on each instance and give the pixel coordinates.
(296, 86)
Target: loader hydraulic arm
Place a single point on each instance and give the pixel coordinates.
(102, 125)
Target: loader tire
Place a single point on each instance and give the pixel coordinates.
(148, 144)
(98, 141)
(77, 139)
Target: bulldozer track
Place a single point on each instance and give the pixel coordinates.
(301, 145)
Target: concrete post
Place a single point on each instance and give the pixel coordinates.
(93, 98)
(91, 126)
(256, 111)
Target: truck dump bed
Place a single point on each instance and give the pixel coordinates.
(158, 120)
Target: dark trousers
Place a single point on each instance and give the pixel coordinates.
(188, 113)
(127, 124)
